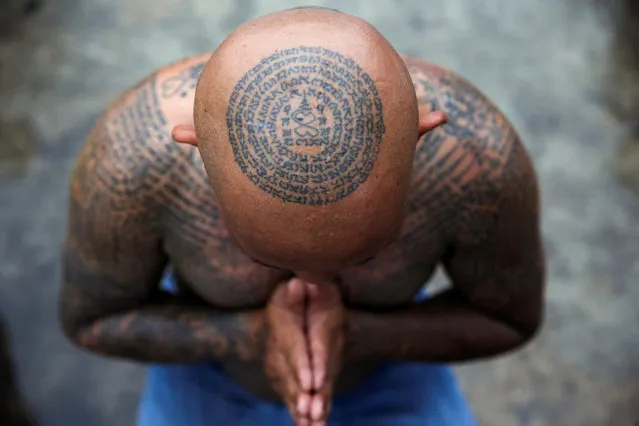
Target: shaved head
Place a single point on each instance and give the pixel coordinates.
(307, 122)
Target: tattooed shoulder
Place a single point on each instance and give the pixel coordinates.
(129, 152)
(459, 167)
(126, 152)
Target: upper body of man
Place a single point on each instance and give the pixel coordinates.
(331, 177)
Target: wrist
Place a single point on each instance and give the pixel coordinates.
(352, 335)
(369, 336)
(254, 326)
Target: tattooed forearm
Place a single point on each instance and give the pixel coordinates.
(175, 334)
(160, 328)
(444, 329)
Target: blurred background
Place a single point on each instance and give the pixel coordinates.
(566, 73)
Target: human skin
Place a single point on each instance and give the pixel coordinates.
(140, 202)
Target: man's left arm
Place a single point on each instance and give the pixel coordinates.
(496, 300)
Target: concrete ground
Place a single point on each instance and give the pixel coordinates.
(560, 69)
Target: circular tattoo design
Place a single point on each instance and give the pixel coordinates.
(306, 125)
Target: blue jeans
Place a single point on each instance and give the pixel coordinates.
(397, 394)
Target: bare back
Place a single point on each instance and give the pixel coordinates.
(457, 173)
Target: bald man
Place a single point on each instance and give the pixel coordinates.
(270, 266)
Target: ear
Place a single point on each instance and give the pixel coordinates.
(184, 134)
(430, 120)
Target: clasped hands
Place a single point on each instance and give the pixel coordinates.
(304, 347)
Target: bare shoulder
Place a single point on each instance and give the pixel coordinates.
(469, 110)
(464, 168)
(129, 152)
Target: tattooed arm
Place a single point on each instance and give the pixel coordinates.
(495, 304)
(113, 257)
(476, 183)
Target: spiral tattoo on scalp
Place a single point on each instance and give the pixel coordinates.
(306, 125)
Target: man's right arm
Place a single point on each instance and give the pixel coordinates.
(113, 261)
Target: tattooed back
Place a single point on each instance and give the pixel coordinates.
(160, 191)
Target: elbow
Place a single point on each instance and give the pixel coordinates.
(80, 335)
(67, 321)
(528, 335)
(70, 329)
(73, 328)
(530, 329)
(75, 322)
